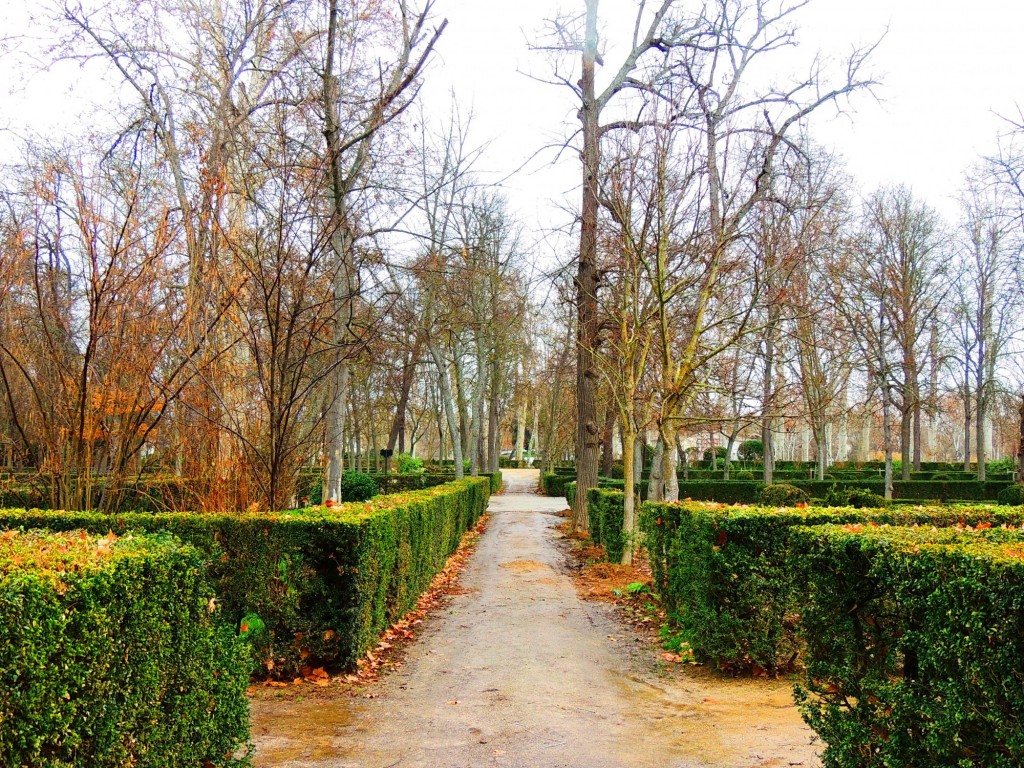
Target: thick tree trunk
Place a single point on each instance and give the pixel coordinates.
(917, 431)
(906, 421)
(587, 430)
(521, 429)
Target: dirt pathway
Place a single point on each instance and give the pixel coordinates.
(520, 672)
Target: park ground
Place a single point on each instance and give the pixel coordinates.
(517, 670)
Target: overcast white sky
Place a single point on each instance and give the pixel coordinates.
(948, 68)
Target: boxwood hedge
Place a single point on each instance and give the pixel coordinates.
(726, 576)
(110, 655)
(605, 516)
(320, 583)
(915, 645)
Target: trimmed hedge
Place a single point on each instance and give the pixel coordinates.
(323, 582)
(495, 480)
(605, 517)
(570, 493)
(553, 483)
(726, 577)
(110, 655)
(747, 491)
(915, 646)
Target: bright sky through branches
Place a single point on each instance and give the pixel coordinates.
(949, 69)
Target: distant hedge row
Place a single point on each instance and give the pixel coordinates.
(112, 653)
(314, 585)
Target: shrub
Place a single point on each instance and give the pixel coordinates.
(553, 483)
(745, 474)
(605, 512)
(726, 491)
(783, 495)
(725, 575)
(751, 450)
(357, 486)
(914, 645)
(324, 581)
(110, 655)
(841, 496)
(407, 464)
(617, 473)
(570, 493)
(1013, 495)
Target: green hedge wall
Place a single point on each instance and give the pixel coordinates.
(726, 577)
(605, 517)
(747, 491)
(323, 582)
(553, 483)
(110, 656)
(915, 646)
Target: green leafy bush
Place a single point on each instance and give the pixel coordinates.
(324, 581)
(914, 645)
(605, 513)
(744, 474)
(553, 483)
(570, 493)
(751, 450)
(783, 495)
(1013, 495)
(842, 496)
(618, 472)
(407, 464)
(110, 655)
(726, 577)
(357, 486)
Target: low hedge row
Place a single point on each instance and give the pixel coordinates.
(605, 517)
(553, 483)
(315, 585)
(112, 654)
(747, 491)
(915, 645)
(726, 576)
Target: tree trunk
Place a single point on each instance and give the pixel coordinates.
(521, 429)
(448, 404)
(655, 482)
(917, 430)
(607, 442)
(670, 461)
(887, 438)
(906, 421)
(967, 430)
(629, 491)
(587, 431)
(398, 425)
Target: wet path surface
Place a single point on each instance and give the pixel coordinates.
(518, 671)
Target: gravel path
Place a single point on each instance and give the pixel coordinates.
(519, 671)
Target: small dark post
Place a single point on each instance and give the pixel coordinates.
(386, 453)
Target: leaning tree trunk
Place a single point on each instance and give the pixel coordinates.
(655, 483)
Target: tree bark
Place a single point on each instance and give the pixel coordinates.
(587, 430)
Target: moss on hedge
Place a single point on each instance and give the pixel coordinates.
(110, 655)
